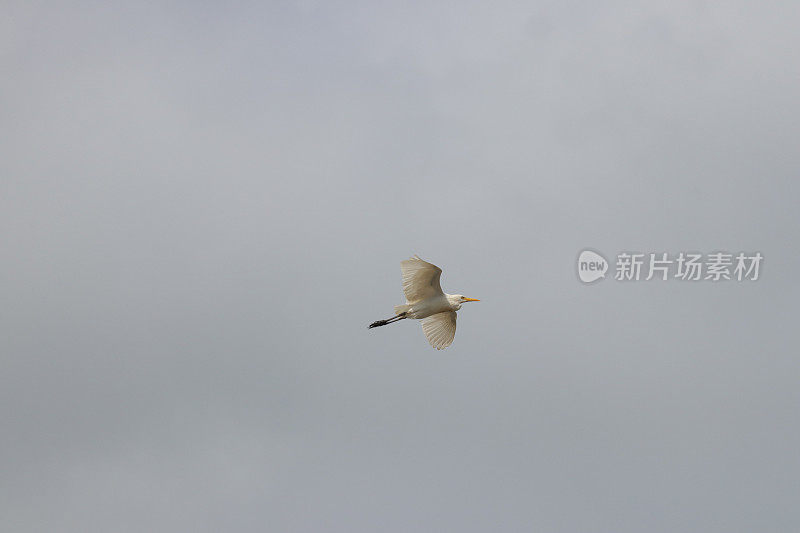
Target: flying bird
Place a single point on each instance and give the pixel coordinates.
(425, 300)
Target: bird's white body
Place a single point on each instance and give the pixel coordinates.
(426, 301)
(430, 306)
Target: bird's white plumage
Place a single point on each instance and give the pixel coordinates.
(426, 301)
(420, 279)
(440, 329)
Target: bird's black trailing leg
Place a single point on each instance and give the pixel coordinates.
(395, 318)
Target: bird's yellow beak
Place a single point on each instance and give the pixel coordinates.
(471, 299)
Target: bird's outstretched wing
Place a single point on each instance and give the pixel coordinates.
(420, 279)
(440, 329)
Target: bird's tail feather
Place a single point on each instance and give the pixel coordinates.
(399, 309)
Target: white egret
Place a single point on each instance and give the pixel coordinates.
(425, 300)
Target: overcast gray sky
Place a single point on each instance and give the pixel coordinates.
(203, 206)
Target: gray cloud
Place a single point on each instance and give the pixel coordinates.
(203, 208)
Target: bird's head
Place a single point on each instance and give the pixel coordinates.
(458, 299)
